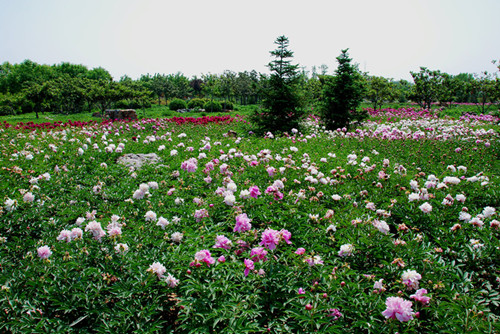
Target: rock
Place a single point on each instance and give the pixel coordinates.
(120, 114)
(136, 161)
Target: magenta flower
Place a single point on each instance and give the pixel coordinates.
(270, 238)
(248, 266)
(242, 223)
(44, 252)
(334, 313)
(221, 259)
(254, 191)
(258, 253)
(286, 236)
(419, 296)
(398, 308)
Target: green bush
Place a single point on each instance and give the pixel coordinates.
(228, 105)
(177, 104)
(196, 103)
(212, 106)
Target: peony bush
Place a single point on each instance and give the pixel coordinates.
(390, 227)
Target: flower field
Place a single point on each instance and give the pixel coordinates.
(390, 227)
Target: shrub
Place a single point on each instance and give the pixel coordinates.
(177, 104)
(228, 105)
(196, 103)
(212, 106)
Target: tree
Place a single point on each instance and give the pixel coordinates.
(282, 102)
(427, 86)
(485, 89)
(342, 94)
(379, 90)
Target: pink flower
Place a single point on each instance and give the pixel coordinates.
(44, 252)
(171, 281)
(270, 238)
(222, 242)
(28, 197)
(254, 191)
(221, 259)
(76, 233)
(301, 291)
(286, 235)
(204, 256)
(200, 214)
(242, 223)
(258, 253)
(300, 251)
(248, 266)
(334, 313)
(398, 308)
(419, 296)
(64, 235)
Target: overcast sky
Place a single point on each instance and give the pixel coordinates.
(133, 37)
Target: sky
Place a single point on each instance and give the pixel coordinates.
(386, 38)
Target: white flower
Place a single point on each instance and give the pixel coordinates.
(245, 194)
(176, 237)
(346, 250)
(336, 197)
(413, 197)
(426, 207)
(332, 228)
(121, 248)
(381, 225)
(410, 278)
(150, 216)
(488, 211)
(157, 268)
(162, 222)
(229, 200)
(451, 180)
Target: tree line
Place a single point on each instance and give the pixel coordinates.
(71, 88)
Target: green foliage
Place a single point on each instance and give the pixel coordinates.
(427, 86)
(341, 95)
(212, 106)
(227, 105)
(282, 100)
(177, 104)
(379, 90)
(196, 103)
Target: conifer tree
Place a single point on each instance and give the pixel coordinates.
(342, 94)
(282, 102)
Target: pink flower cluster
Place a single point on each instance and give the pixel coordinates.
(398, 308)
(202, 256)
(271, 238)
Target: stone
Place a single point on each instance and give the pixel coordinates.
(120, 114)
(136, 161)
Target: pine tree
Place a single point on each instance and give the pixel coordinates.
(342, 94)
(282, 102)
